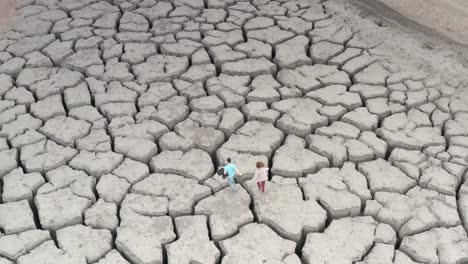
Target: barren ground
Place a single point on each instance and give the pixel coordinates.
(115, 115)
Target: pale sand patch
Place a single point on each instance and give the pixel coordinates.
(7, 10)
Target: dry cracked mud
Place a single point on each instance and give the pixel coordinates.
(115, 115)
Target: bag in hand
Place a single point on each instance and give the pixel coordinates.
(222, 172)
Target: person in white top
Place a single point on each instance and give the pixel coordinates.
(261, 175)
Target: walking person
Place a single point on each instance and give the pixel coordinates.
(261, 175)
(231, 172)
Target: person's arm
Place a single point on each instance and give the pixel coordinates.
(238, 172)
(255, 175)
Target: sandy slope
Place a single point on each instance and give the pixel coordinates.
(448, 17)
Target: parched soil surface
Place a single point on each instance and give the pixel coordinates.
(115, 116)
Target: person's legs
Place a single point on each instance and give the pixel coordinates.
(263, 186)
(259, 185)
(232, 183)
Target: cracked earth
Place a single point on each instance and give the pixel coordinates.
(116, 114)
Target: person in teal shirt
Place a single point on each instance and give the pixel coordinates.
(231, 171)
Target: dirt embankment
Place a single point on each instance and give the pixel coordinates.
(447, 17)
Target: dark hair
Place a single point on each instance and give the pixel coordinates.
(229, 160)
(260, 164)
